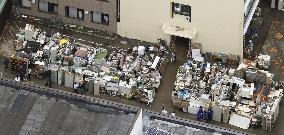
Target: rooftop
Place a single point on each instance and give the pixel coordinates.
(160, 124)
(31, 109)
(23, 112)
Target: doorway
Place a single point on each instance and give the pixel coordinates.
(181, 45)
(275, 3)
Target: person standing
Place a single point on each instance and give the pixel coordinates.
(174, 56)
(164, 111)
(6, 63)
(210, 114)
(81, 88)
(199, 115)
(21, 72)
(173, 113)
(76, 85)
(17, 79)
(48, 82)
(29, 74)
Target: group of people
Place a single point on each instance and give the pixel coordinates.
(21, 71)
(166, 112)
(204, 115)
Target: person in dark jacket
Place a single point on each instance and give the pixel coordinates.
(48, 82)
(199, 115)
(21, 72)
(6, 63)
(210, 114)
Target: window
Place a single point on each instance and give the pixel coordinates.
(104, 0)
(80, 14)
(185, 10)
(181, 9)
(47, 7)
(27, 3)
(105, 19)
(98, 17)
(67, 11)
(52, 8)
(74, 12)
(177, 8)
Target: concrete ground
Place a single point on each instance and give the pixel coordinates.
(163, 96)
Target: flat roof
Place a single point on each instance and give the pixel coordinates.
(156, 123)
(25, 112)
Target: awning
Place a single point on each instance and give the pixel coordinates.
(179, 31)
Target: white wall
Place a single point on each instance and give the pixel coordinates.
(138, 125)
(219, 23)
(143, 19)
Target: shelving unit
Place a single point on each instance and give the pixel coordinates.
(17, 62)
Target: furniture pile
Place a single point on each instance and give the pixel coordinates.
(131, 73)
(245, 94)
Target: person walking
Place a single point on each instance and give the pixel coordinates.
(6, 63)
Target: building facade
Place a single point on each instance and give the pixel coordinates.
(218, 25)
(97, 14)
(5, 9)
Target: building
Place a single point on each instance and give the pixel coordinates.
(218, 29)
(157, 124)
(250, 7)
(31, 109)
(98, 14)
(5, 8)
(40, 112)
(277, 4)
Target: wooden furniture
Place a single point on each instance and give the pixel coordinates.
(17, 62)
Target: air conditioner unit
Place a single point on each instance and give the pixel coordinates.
(86, 12)
(33, 1)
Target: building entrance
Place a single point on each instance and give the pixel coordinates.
(180, 45)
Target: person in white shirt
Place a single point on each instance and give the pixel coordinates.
(173, 113)
(17, 79)
(29, 74)
(76, 85)
(164, 111)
